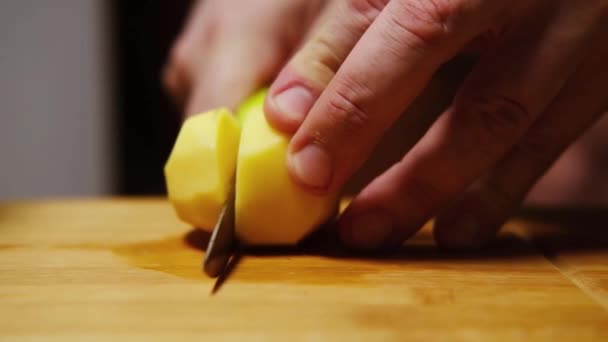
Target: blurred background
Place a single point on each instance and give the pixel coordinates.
(82, 110)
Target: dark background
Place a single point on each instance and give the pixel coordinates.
(147, 121)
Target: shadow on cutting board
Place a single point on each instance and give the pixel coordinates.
(530, 234)
(568, 230)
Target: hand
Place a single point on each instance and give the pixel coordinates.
(230, 48)
(540, 82)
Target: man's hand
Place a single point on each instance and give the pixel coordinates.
(539, 84)
(230, 48)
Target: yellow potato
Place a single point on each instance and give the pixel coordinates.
(198, 171)
(270, 208)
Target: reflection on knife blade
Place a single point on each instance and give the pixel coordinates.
(222, 242)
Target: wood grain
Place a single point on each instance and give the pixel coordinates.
(126, 269)
(576, 242)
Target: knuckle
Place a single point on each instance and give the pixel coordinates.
(327, 56)
(424, 195)
(497, 199)
(499, 118)
(345, 109)
(423, 23)
(168, 80)
(180, 56)
(320, 60)
(322, 54)
(537, 150)
(179, 70)
(368, 8)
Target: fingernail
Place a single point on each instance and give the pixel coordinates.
(312, 166)
(369, 231)
(294, 103)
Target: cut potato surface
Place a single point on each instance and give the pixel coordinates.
(270, 208)
(200, 168)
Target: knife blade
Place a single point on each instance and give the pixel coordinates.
(222, 242)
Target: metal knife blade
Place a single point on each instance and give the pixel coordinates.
(222, 242)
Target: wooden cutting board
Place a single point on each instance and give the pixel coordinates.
(126, 269)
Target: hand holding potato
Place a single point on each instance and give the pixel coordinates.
(539, 84)
(212, 148)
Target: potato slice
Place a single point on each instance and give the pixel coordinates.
(198, 171)
(270, 208)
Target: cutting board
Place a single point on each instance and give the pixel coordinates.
(127, 269)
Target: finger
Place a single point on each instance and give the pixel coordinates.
(501, 99)
(177, 73)
(303, 79)
(221, 58)
(177, 81)
(478, 215)
(250, 54)
(578, 177)
(385, 71)
(233, 70)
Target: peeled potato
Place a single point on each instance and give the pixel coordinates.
(199, 170)
(270, 208)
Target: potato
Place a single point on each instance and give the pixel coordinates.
(199, 170)
(270, 208)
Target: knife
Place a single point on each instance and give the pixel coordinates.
(222, 242)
